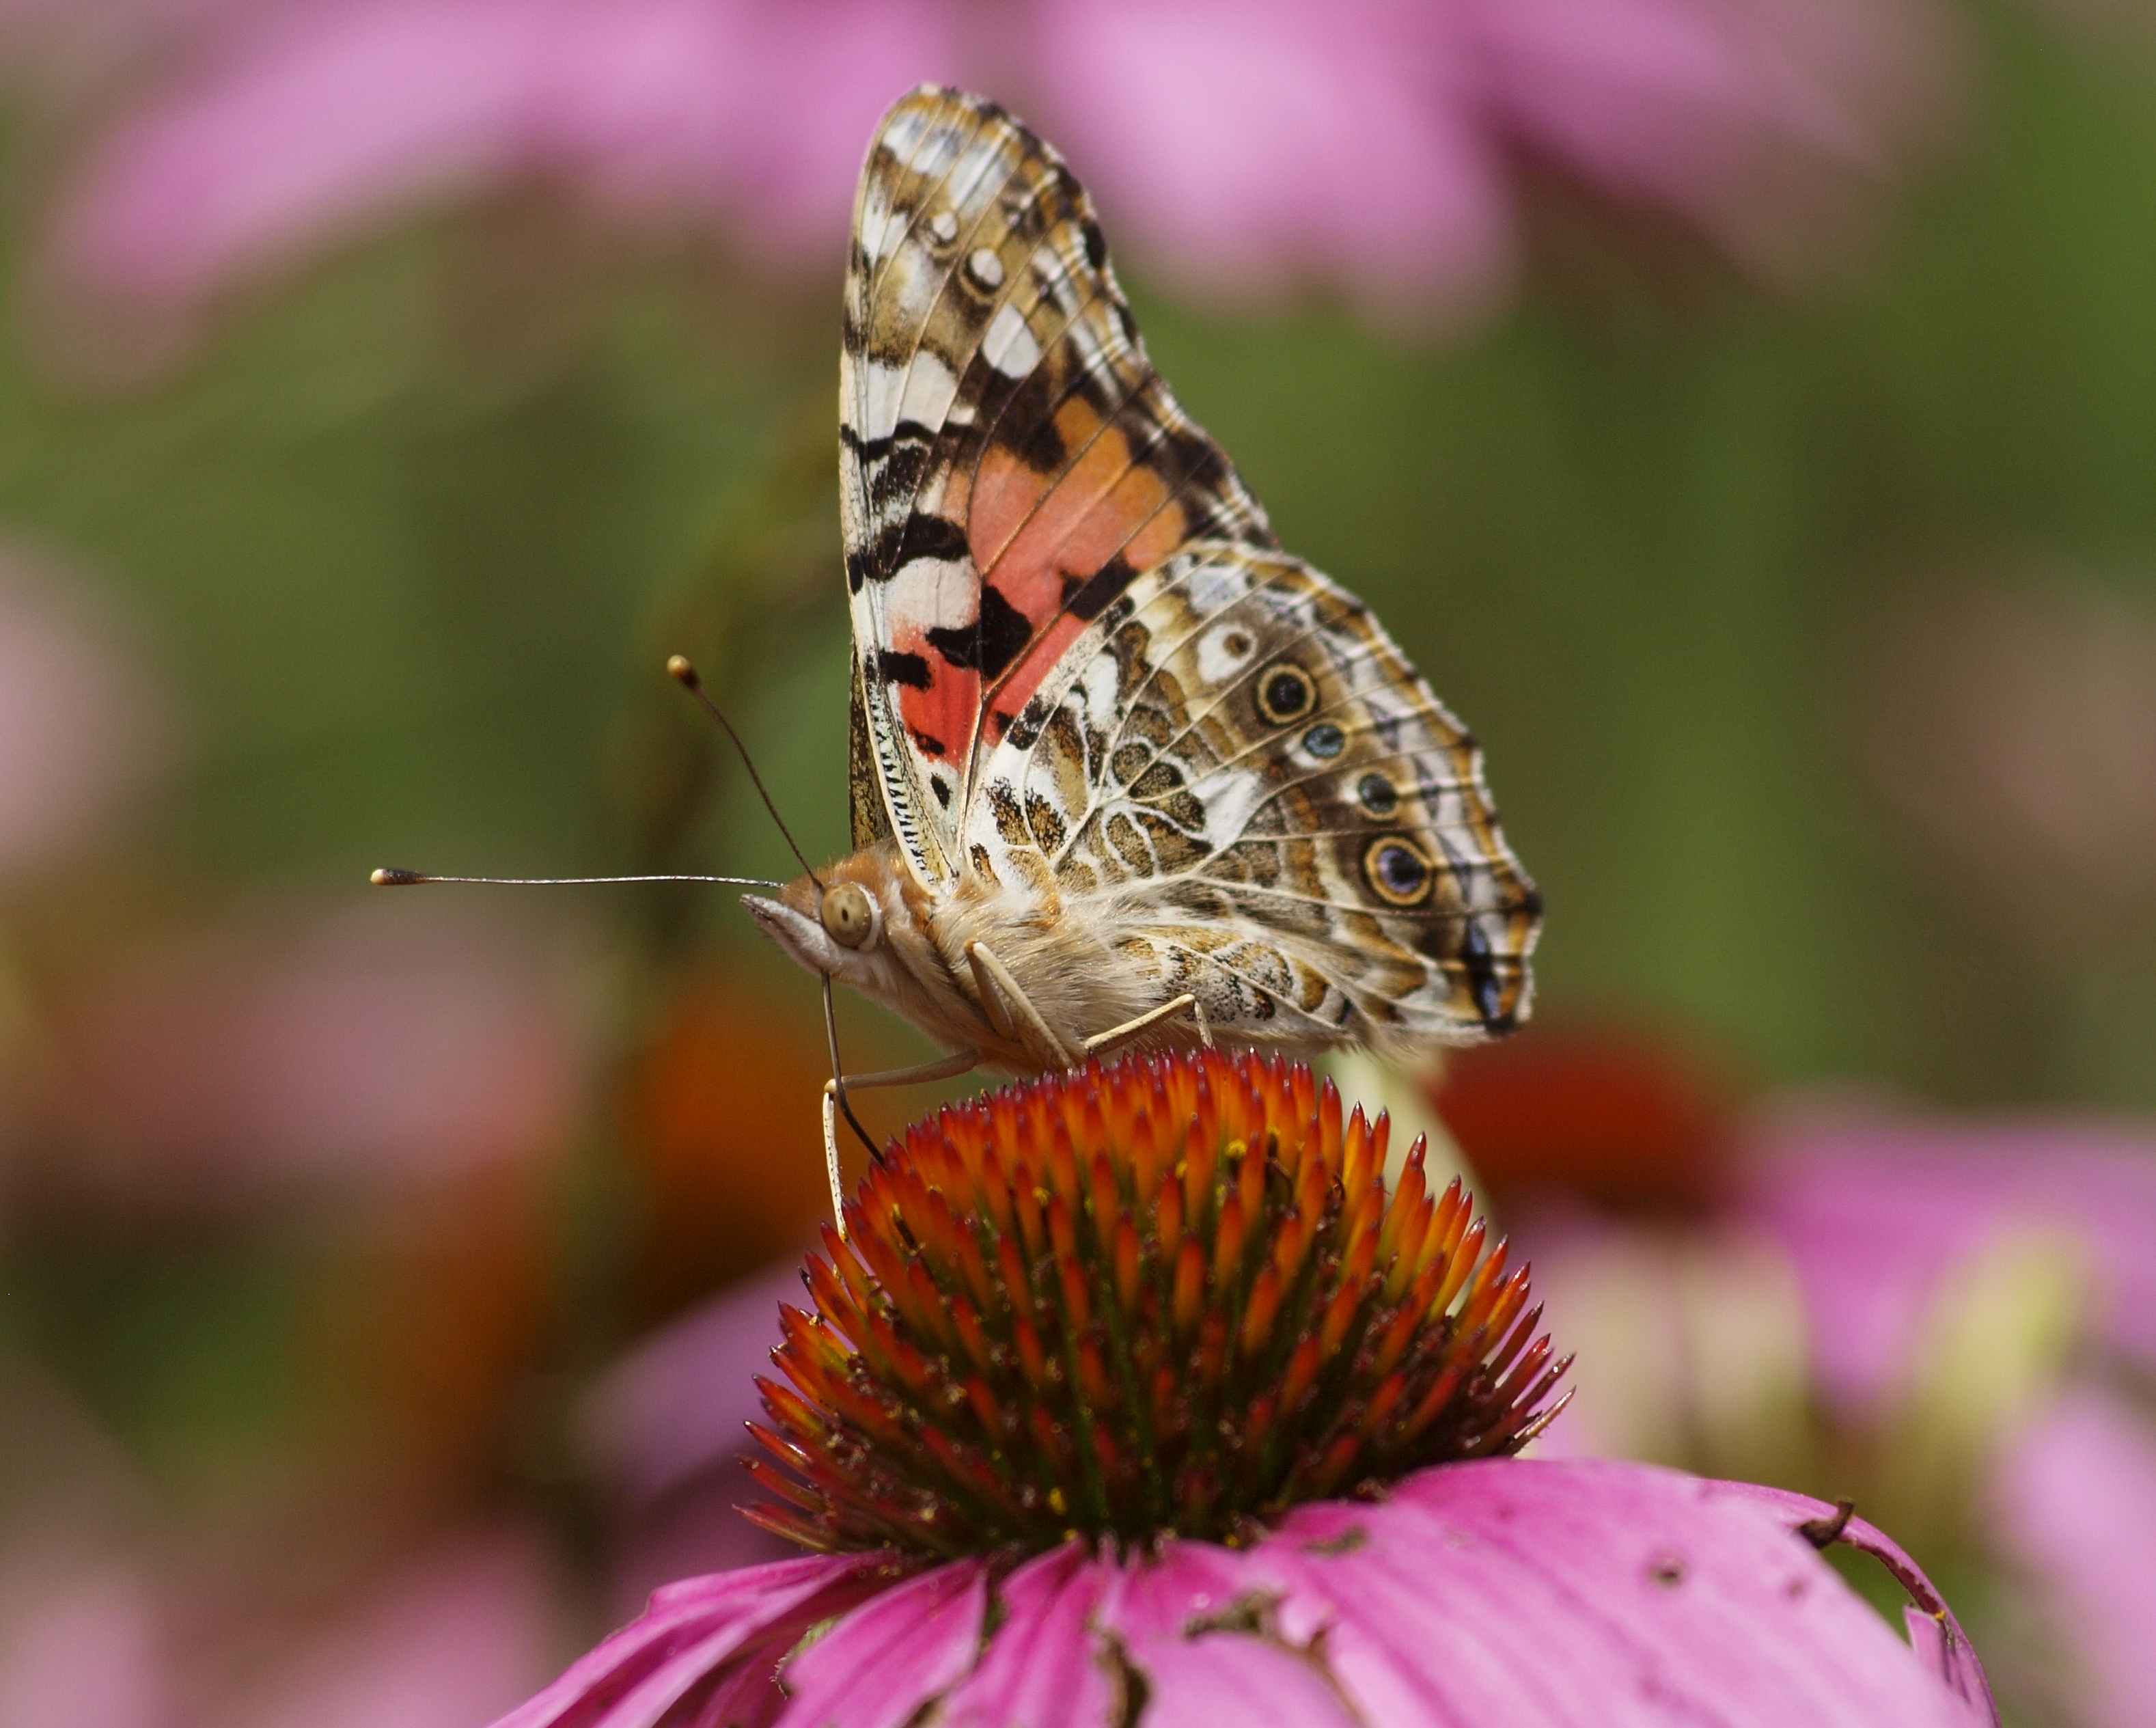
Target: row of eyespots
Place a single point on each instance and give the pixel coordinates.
(1397, 871)
(1285, 694)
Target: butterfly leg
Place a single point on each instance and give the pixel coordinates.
(834, 1100)
(1131, 1028)
(993, 979)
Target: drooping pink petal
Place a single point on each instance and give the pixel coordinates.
(1247, 148)
(728, 1630)
(1677, 1603)
(1875, 1212)
(1560, 1595)
(2075, 1504)
(1194, 1677)
(1934, 1633)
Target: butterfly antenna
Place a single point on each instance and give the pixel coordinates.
(414, 878)
(683, 673)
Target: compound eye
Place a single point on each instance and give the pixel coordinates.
(849, 915)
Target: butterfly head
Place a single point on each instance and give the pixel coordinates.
(842, 926)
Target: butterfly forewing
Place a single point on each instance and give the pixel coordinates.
(1010, 460)
(1085, 674)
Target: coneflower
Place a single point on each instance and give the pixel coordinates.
(1132, 1395)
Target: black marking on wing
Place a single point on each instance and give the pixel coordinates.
(991, 642)
(897, 668)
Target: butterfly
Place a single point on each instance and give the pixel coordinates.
(1122, 770)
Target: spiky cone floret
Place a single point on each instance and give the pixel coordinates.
(1162, 1295)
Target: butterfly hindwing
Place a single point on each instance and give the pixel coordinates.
(1010, 462)
(1243, 783)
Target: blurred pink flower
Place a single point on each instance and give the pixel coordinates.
(76, 718)
(2075, 1503)
(81, 1649)
(1504, 1592)
(1244, 148)
(665, 1429)
(1886, 1221)
(455, 1634)
(1875, 1211)
(383, 1047)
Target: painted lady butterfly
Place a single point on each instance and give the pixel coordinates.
(1122, 768)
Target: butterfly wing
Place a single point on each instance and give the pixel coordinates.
(1085, 672)
(1238, 780)
(1009, 460)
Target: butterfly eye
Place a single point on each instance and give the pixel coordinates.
(1285, 693)
(850, 916)
(1397, 874)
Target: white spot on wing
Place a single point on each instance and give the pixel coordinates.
(1099, 683)
(930, 386)
(932, 593)
(984, 267)
(1212, 586)
(880, 389)
(1229, 795)
(1009, 345)
(1224, 651)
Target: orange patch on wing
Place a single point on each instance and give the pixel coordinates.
(1033, 537)
(1025, 678)
(1093, 511)
(1005, 490)
(943, 713)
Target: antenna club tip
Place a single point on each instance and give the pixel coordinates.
(679, 669)
(395, 878)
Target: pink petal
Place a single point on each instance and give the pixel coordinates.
(1736, 115)
(2075, 1506)
(675, 1404)
(1041, 1668)
(1196, 1680)
(1603, 1593)
(1555, 1594)
(1935, 1634)
(690, 1634)
(1875, 1212)
(1250, 147)
(85, 1651)
(878, 1666)
(1666, 97)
